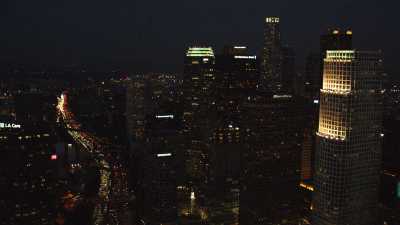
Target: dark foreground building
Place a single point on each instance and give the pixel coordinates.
(271, 160)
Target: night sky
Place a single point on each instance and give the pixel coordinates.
(153, 35)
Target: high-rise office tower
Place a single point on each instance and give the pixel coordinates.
(137, 107)
(271, 55)
(236, 69)
(236, 75)
(154, 140)
(271, 159)
(159, 179)
(348, 156)
(334, 39)
(199, 104)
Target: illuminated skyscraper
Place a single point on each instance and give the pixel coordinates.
(334, 39)
(199, 104)
(348, 157)
(271, 55)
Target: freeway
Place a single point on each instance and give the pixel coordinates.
(112, 206)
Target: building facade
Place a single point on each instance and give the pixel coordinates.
(271, 55)
(199, 105)
(271, 160)
(348, 156)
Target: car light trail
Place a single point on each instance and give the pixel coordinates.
(112, 197)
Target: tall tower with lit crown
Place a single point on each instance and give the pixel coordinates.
(271, 54)
(348, 156)
(199, 102)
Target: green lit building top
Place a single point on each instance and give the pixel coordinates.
(200, 52)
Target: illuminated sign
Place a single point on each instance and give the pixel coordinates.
(245, 57)
(316, 101)
(272, 20)
(282, 96)
(164, 155)
(53, 157)
(10, 125)
(240, 47)
(165, 116)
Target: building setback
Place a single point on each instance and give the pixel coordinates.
(348, 156)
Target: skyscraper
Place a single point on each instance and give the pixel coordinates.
(136, 110)
(271, 55)
(154, 134)
(270, 159)
(159, 169)
(236, 74)
(334, 39)
(199, 103)
(348, 156)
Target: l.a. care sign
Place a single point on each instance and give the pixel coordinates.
(9, 125)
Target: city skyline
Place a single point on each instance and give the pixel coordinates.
(206, 113)
(124, 36)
